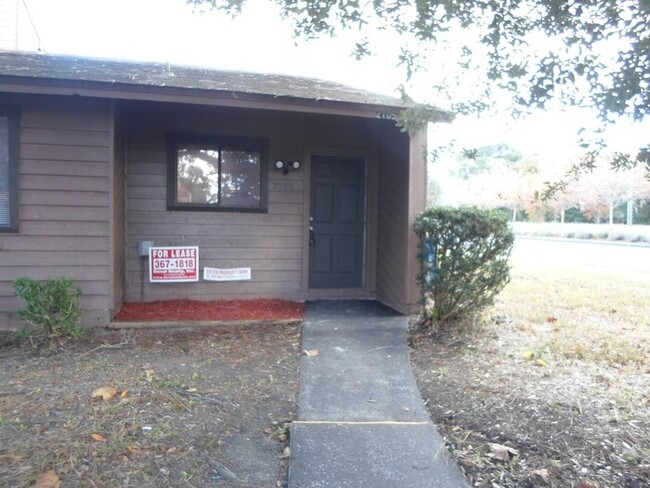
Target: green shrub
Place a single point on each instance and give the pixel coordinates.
(52, 307)
(464, 254)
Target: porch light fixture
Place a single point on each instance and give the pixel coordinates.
(285, 166)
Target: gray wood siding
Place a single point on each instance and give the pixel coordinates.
(272, 244)
(92, 184)
(417, 202)
(117, 246)
(85, 165)
(64, 202)
(393, 225)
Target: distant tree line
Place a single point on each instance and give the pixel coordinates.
(501, 178)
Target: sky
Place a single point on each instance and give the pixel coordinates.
(259, 40)
(171, 31)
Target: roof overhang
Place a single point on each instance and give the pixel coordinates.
(117, 91)
(35, 73)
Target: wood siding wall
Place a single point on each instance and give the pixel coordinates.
(64, 202)
(273, 244)
(393, 224)
(117, 236)
(417, 202)
(93, 184)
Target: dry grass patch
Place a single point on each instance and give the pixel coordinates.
(559, 371)
(584, 316)
(177, 408)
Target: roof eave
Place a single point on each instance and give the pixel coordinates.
(119, 90)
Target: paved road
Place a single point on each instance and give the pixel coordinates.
(622, 259)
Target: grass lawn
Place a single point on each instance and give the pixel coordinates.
(184, 407)
(558, 371)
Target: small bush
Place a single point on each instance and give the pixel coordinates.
(52, 307)
(464, 254)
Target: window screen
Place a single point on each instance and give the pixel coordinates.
(214, 173)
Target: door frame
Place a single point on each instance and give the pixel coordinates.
(367, 290)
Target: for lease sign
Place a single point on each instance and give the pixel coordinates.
(173, 264)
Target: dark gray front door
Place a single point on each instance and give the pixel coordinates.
(337, 220)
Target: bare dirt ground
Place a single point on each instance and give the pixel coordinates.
(550, 388)
(199, 407)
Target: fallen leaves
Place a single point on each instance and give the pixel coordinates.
(135, 450)
(501, 452)
(528, 355)
(149, 375)
(310, 353)
(541, 362)
(281, 432)
(542, 473)
(139, 432)
(49, 479)
(105, 392)
(536, 356)
(557, 390)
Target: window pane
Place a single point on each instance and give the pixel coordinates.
(4, 171)
(198, 176)
(240, 178)
(215, 173)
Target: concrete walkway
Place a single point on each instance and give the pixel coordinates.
(361, 422)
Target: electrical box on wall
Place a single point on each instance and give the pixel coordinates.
(143, 248)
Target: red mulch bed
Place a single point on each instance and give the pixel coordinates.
(217, 310)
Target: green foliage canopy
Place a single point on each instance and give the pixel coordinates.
(534, 53)
(484, 158)
(584, 52)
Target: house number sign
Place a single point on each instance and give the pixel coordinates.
(282, 186)
(173, 264)
(386, 116)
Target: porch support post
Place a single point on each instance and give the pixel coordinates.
(417, 200)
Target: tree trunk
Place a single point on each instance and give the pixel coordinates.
(630, 213)
(514, 214)
(562, 212)
(611, 220)
(611, 213)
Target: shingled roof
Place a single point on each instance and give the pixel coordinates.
(23, 67)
